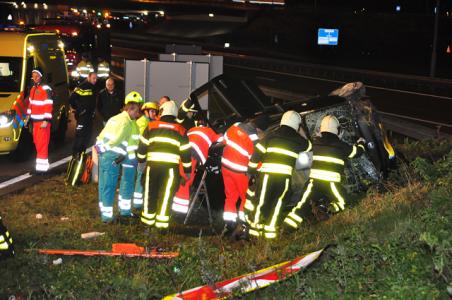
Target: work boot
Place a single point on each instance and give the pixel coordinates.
(228, 228)
(240, 232)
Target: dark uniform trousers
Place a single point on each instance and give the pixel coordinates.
(83, 132)
(161, 182)
(271, 195)
(323, 191)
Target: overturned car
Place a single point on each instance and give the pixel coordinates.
(232, 100)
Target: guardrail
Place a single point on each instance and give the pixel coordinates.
(418, 84)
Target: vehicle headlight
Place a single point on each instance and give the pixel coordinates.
(75, 74)
(6, 119)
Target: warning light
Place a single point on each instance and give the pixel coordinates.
(448, 51)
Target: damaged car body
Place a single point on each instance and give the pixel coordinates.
(233, 100)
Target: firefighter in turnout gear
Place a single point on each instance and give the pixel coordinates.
(200, 138)
(103, 68)
(185, 114)
(6, 242)
(116, 145)
(278, 153)
(84, 67)
(240, 140)
(163, 146)
(40, 111)
(150, 111)
(83, 103)
(327, 170)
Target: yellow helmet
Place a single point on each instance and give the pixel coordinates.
(150, 105)
(134, 97)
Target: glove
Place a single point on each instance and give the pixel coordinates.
(44, 124)
(252, 179)
(141, 167)
(361, 140)
(119, 159)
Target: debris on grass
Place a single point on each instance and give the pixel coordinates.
(91, 235)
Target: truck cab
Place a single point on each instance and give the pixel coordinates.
(19, 54)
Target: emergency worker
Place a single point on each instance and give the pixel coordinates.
(103, 68)
(84, 67)
(110, 100)
(150, 111)
(164, 99)
(83, 105)
(40, 111)
(163, 146)
(201, 138)
(6, 242)
(239, 142)
(116, 145)
(186, 112)
(327, 170)
(278, 153)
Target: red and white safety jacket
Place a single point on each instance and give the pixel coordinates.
(201, 138)
(40, 103)
(239, 140)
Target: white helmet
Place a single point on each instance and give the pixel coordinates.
(292, 119)
(168, 108)
(330, 124)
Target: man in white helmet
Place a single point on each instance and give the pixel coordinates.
(163, 146)
(327, 170)
(278, 153)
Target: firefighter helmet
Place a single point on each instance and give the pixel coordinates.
(150, 105)
(330, 124)
(134, 97)
(168, 109)
(292, 119)
(188, 105)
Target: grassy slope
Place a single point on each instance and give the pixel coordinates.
(395, 244)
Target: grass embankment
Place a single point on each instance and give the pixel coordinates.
(392, 244)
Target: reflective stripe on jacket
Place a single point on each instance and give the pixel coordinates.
(330, 154)
(165, 141)
(279, 151)
(201, 138)
(239, 147)
(40, 104)
(116, 134)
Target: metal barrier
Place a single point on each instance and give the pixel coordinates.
(411, 83)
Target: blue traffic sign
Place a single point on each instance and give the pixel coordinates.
(328, 37)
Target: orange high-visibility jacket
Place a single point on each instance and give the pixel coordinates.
(40, 103)
(239, 140)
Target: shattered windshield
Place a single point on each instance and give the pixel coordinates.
(10, 74)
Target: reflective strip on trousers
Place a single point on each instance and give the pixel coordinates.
(124, 204)
(180, 205)
(162, 216)
(272, 225)
(325, 175)
(292, 218)
(146, 217)
(341, 201)
(261, 199)
(229, 216)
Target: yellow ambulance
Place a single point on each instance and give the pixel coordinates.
(20, 52)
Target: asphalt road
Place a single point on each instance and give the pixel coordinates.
(10, 168)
